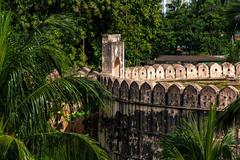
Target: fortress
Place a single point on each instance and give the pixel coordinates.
(150, 101)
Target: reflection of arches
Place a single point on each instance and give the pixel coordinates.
(117, 67)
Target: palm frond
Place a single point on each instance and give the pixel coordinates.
(83, 92)
(64, 146)
(190, 143)
(12, 148)
(226, 119)
(5, 29)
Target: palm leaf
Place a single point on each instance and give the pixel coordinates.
(190, 143)
(227, 118)
(63, 146)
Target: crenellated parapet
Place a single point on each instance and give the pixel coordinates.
(190, 96)
(170, 72)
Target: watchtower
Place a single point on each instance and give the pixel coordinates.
(113, 55)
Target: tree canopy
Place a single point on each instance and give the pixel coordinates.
(198, 28)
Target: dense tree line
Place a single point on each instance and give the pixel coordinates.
(197, 28)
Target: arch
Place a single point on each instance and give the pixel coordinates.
(159, 93)
(237, 66)
(105, 81)
(191, 71)
(115, 90)
(169, 71)
(134, 92)
(208, 96)
(175, 94)
(203, 70)
(190, 96)
(128, 73)
(150, 73)
(142, 72)
(109, 85)
(124, 90)
(215, 70)
(228, 70)
(135, 73)
(159, 71)
(180, 71)
(226, 96)
(146, 93)
(117, 67)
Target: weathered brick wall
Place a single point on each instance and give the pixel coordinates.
(171, 94)
(183, 72)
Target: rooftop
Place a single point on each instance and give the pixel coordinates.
(185, 59)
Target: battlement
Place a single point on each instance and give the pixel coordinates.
(174, 95)
(171, 72)
(164, 84)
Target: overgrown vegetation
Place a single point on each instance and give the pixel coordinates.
(192, 141)
(198, 28)
(27, 96)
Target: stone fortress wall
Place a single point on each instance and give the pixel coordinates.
(150, 101)
(171, 72)
(166, 80)
(171, 94)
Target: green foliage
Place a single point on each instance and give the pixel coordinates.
(196, 29)
(190, 142)
(200, 28)
(232, 13)
(138, 22)
(228, 118)
(26, 95)
(234, 52)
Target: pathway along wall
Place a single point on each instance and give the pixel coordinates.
(181, 72)
(144, 111)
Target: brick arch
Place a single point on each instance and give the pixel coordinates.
(159, 71)
(159, 93)
(135, 73)
(150, 72)
(115, 89)
(142, 73)
(105, 80)
(237, 67)
(180, 71)
(175, 94)
(215, 70)
(110, 84)
(124, 90)
(228, 70)
(226, 96)
(208, 96)
(203, 70)
(191, 96)
(191, 71)
(134, 92)
(146, 93)
(128, 73)
(169, 71)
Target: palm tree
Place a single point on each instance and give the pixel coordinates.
(189, 142)
(27, 96)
